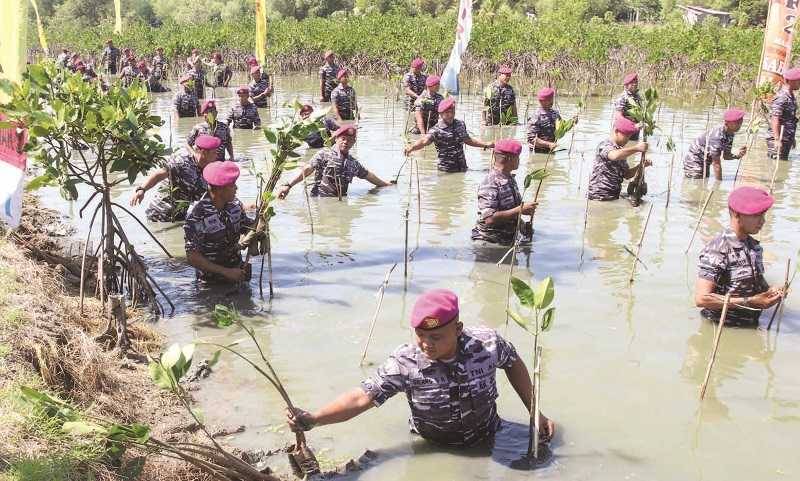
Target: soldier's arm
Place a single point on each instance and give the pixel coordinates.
(420, 121)
(478, 143)
(520, 380)
(343, 408)
(705, 297)
(306, 171)
(151, 180)
(199, 261)
(420, 143)
(375, 180)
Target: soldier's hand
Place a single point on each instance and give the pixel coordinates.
(283, 191)
(407, 150)
(641, 147)
(766, 299)
(648, 162)
(137, 197)
(742, 152)
(528, 208)
(299, 420)
(234, 274)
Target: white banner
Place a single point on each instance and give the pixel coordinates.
(463, 32)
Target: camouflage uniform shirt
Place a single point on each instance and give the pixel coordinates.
(784, 106)
(315, 140)
(498, 99)
(332, 174)
(735, 267)
(415, 82)
(159, 66)
(345, 100)
(542, 125)
(497, 192)
(215, 233)
(127, 75)
(623, 104)
(187, 104)
(719, 145)
(219, 73)
(185, 185)
(110, 59)
(221, 131)
(429, 105)
(451, 402)
(327, 73)
(605, 182)
(258, 88)
(449, 143)
(244, 116)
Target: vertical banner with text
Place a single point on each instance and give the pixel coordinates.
(449, 79)
(778, 34)
(261, 31)
(118, 17)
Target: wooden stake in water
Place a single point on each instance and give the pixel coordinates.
(537, 388)
(717, 337)
(777, 161)
(699, 218)
(381, 291)
(783, 297)
(639, 245)
(408, 204)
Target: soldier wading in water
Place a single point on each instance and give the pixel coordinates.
(448, 376)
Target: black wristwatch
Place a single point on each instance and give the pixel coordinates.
(140, 188)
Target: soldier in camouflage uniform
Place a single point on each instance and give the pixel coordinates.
(499, 200)
(715, 144)
(245, 114)
(427, 105)
(221, 73)
(110, 58)
(498, 98)
(782, 123)
(611, 164)
(128, 74)
(159, 64)
(327, 76)
(629, 97)
(542, 124)
(343, 99)
(449, 136)
(334, 168)
(314, 139)
(260, 87)
(197, 71)
(186, 102)
(414, 83)
(62, 59)
(212, 126)
(213, 227)
(448, 377)
(185, 183)
(733, 263)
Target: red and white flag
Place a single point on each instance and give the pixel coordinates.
(449, 80)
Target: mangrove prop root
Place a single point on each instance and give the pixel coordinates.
(717, 337)
(381, 291)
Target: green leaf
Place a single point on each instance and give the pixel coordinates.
(160, 376)
(518, 319)
(39, 182)
(39, 131)
(214, 358)
(547, 319)
(544, 293)
(523, 292)
(82, 428)
(171, 356)
(271, 136)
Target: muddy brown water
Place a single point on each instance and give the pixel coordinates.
(622, 364)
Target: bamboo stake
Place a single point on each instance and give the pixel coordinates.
(699, 218)
(717, 337)
(380, 293)
(777, 161)
(669, 179)
(585, 223)
(783, 296)
(408, 203)
(537, 386)
(639, 246)
(308, 201)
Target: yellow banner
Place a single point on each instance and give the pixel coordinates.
(118, 17)
(40, 28)
(13, 32)
(261, 31)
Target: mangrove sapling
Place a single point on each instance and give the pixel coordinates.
(699, 219)
(717, 336)
(540, 320)
(645, 117)
(671, 149)
(286, 136)
(636, 258)
(779, 307)
(80, 134)
(300, 455)
(572, 137)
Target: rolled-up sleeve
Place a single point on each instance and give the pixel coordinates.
(387, 381)
(487, 200)
(712, 265)
(506, 353)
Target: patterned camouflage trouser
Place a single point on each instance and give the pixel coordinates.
(786, 146)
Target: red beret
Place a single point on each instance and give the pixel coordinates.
(733, 115)
(625, 126)
(243, 89)
(141, 65)
(252, 62)
(194, 50)
(255, 68)
(750, 201)
(306, 108)
(545, 93)
(792, 74)
(208, 104)
(80, 66)
(185, 79)
(432, 80)
(342, 73)
(417, 63)
(508, 146)
(504, 69)
(631, 77)
(446, 104)
(207, 142)
(344, 130)
(220, 174)
(435, 308)
(327, 53)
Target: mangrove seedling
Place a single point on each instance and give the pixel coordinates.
(644, 115)
(80, 134)
(540, 319)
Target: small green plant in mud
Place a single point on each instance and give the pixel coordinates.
(538, 301)
(645, 116)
